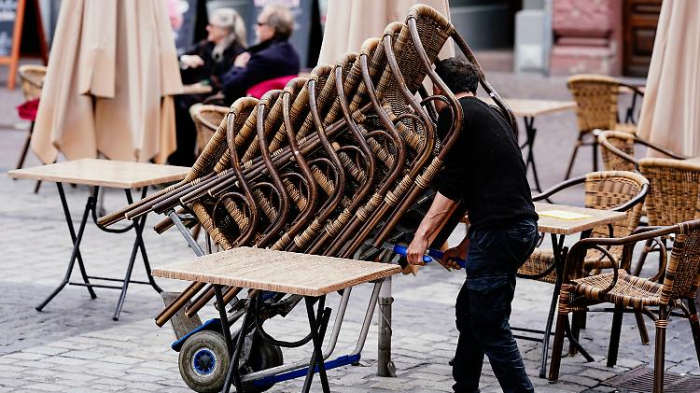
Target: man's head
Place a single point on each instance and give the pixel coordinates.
(274, 22)
(458, 74)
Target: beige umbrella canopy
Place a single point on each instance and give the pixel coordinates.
(670, 113)
(111, 72)
(350, 22)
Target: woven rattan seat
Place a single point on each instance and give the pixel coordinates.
(596, 99)
(676, 291)
(629, 290)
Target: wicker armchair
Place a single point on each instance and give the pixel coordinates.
(617, 150)
(597, 108)
(620, 191)
(681, 280)
(207, 119)
(674, 196)
(32, 80)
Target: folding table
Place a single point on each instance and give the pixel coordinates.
(310, 276)
(110, 174)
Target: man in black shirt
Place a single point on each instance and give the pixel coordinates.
(485, 173)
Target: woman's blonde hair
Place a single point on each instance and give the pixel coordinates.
(229, 19)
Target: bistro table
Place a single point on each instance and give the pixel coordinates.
(110, 174)
(560, 221)
(310, 276)
(529, 109)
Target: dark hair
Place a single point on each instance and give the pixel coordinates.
(459, 75)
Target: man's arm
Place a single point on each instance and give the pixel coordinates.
(437, 215)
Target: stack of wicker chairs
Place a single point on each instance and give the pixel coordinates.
(331, 164)
(676, 291)
(596, 99)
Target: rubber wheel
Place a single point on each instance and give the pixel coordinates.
(204, 361)
(263, 355)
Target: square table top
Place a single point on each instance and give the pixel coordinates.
(103, 173)
(531, 107)
(561, 226)
(277, 271)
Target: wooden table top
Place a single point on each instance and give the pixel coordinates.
(587, 218)
(196, 88)
(103, 173)
(277, 271)
(532, 108)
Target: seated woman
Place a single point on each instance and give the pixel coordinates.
(206, 63)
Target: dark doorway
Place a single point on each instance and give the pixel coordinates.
(640, 20)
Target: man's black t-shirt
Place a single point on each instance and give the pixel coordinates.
(485, 168)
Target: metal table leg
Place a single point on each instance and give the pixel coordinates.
(89, 206)
(317, 333)
(530, 133)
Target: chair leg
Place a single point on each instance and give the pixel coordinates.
(643, 257)
(694, 326)
(559, 332)
(659, 350)
(25, 149)
(595, 157)
(643, 333)
(573, 157)
(615, 335)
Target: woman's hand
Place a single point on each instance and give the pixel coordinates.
(241, 60)
(191, 61)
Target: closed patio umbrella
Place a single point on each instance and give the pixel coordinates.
(670, 114)
(350, 22)
(111, 72)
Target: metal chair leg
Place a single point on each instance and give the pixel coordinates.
(615, 335)
(573, 158)
(558, 345)
(25, 149)
(659, 350)
(694, 326)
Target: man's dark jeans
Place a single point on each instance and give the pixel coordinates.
(483, 308)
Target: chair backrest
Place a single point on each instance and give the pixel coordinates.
(674, 190)
(611, 189)
(609, 141)
(32, 80)
(596, 101)
(207, 119)
(683, 270)
(263, 87)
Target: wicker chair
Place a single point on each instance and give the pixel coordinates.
(681, 280)
(597, 108)
(617, 150)
(32, 80)
(620, 191)
(674, 196)
(207, 119)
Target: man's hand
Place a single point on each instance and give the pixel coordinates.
(416, 250)
(242, 60)
(459, 252)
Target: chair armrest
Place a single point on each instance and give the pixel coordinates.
(559, 187)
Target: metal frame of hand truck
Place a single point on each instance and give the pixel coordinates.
(302, 367)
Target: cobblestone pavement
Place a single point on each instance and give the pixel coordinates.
(74, 346)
